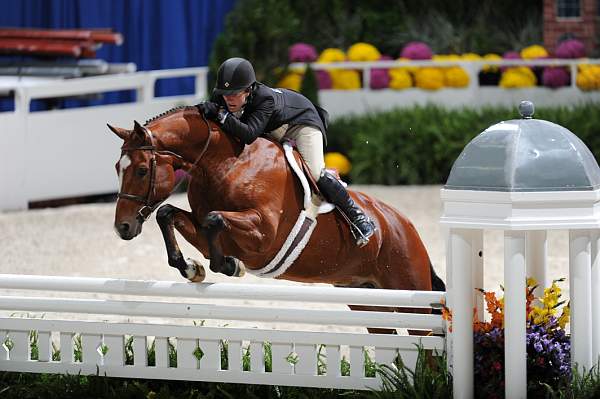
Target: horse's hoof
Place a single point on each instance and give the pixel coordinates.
(195, 271)
(239, 270)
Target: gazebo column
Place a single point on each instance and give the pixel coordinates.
(515, 355)
(537, 254)
(460, 271)
(595, 296)
(477, 262)
(580, 279)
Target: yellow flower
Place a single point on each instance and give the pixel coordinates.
(446, 57)
(564, 317)
(292, 81)
(342, 79)
(491, 57)
(400, 78)
(588, 77)
(533, 52)
(332, 55)
(429, 78)
(363, 52)
(456, 77)
(411, 69)
(531, 282)
(471, 57)
(338, 161)
(518, 77)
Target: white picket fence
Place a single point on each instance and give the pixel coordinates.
(298, 358)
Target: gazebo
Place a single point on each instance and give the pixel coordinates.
(522, 176)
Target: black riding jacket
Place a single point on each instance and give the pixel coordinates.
(267, 109)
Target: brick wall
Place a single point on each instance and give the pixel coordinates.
(583, 28)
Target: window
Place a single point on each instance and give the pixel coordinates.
(568, 8)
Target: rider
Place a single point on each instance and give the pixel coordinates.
(248, 109)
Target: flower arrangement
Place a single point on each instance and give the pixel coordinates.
(332, 55)
(400, 78)
(416, 51)
(363, 52)
(518, 77)
(380, 77)
(571, 48)
(429, 78)
(548, 346)
(588, 77)
(456, 77)
(339, 162)
(340, 79)
(556, 77)
(302, 52)
(292, 80)
(534, 52)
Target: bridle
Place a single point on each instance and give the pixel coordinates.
(150, 205)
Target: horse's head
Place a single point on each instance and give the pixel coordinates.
(146, 179)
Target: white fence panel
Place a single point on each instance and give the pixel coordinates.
(300, 358)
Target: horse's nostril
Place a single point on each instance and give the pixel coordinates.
(123, 228)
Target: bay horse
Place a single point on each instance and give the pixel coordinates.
(244, 202)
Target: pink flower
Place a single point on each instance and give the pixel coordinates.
(416, 51)
(324, 79)
(555, 77)
(380, 79)
(302, 52)
(571, 48)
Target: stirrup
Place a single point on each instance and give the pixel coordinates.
(360, 237)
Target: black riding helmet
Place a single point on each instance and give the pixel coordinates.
(234, 75)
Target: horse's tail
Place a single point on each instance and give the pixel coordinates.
(437, 284)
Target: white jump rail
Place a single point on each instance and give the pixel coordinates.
(305, 346)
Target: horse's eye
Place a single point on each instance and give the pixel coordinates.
(141, 172)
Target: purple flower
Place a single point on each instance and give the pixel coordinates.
(538, 346)
(571, 48)
(324, 79)
(302, 52)
(555, 77)
(416, 51)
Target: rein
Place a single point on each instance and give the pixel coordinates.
(149, 207)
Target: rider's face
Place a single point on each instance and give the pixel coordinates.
(235, 102)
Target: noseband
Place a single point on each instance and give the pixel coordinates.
(149, 207)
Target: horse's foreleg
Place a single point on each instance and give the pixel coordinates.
(169, 217)
(243, 236)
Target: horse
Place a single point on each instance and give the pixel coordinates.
(244, 202)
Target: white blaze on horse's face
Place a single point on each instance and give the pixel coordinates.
(124, 163)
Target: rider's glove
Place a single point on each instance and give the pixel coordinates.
(210, 110)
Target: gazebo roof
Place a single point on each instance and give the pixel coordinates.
(523, 155)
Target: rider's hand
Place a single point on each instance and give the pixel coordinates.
(210, 110)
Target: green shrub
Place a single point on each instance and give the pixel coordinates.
(419, 145)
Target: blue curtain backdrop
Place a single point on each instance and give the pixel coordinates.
(158, 34)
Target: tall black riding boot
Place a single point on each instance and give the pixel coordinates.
(336, 193)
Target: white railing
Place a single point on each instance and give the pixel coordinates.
(69, 152)
(300, 358)
(365, 100)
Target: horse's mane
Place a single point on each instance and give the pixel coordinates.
(169, 112)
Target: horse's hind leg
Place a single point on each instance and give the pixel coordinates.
(169, 217)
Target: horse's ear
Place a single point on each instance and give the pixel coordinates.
(122, 133)
(138, 127)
